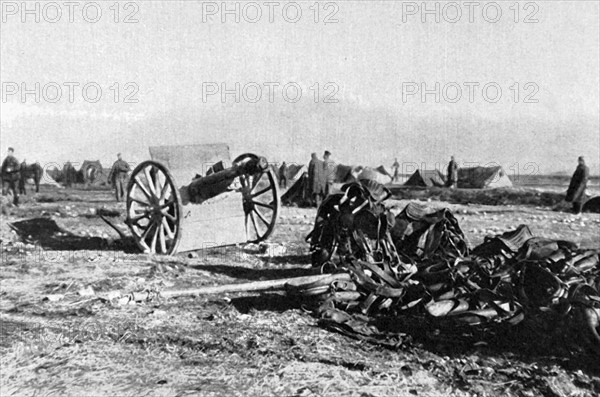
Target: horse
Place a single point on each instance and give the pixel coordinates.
(30, 171)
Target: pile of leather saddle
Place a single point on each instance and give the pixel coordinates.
(418, 264)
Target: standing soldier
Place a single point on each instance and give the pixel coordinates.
(118, 175)
(396, 170)
(452, 173)
(576, 191)
(316, 181)
(10, 175)
(283, 170)
(329, 168)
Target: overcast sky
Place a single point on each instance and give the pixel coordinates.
(376, 56)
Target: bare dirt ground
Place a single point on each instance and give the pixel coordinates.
(58, 338)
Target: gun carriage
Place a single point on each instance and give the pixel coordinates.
(171, 208)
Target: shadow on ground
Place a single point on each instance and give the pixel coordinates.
(50, 236)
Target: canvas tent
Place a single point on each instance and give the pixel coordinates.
(374, 174)
(385, 171)
(345, 173)
(52, 173)
(91, 172)
(297, 193)
(483, 178)
(426, 178)
(47, 178)
(294, 171)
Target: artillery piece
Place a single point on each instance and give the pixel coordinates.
(225, 206)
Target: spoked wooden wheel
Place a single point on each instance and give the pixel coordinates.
(154, 208)
(261, 202)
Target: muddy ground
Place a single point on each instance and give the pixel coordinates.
(58, 338)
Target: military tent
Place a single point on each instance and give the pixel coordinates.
(297, 193)
(92, 173)
(385, 171)
(346, 173)
(592, 205)
(53, 173)
(295, 172)
(426, 178)
(373, 174)
(483, 178)
(48, 179)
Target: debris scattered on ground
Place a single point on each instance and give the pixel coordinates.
(419, 264)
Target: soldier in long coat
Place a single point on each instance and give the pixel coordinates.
(283, 171)
(316, 181)
(576, 191)
(452, 173)
(329, 170)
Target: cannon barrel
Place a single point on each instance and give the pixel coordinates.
(209, 186)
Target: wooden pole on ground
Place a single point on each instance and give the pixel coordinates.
(255, 286)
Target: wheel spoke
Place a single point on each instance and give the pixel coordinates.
(145, 234)
(163, 193)
(254, 224)
(150, 181)
(167, 228)
(169, 216)
(263, 205)
(143, 188)
(246, 226)
(255, 180)
(161, 239)
(157, 186)
(261, 192)
(136, 219)
(154, 237)
(261, 217)
(144, 203)
(167, 204)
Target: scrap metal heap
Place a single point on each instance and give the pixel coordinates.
(418, 264)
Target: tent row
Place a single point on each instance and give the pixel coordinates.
(298, 192)
(468, 178)
(90, 173)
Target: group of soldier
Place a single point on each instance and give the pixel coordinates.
(321, 176)
(15, 174)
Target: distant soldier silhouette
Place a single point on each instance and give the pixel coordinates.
(118, 176)
(283, 170)
(11, 175)
(576, 191)
(329, 168)
(316, 181)
(452, 173)
(396, 170)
